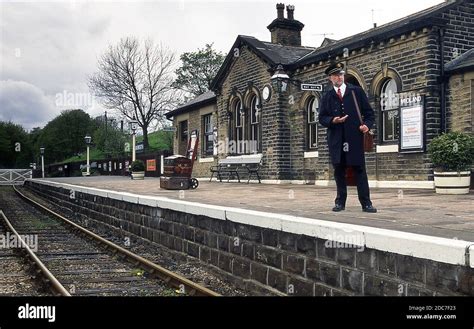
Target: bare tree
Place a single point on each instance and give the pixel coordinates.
(136, 81)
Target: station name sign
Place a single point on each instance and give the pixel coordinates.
(311, 87)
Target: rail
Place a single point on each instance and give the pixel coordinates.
(169, 277)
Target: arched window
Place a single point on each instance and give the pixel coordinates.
(390, 111)
(239, 129)
(255, 115)
(312, 110)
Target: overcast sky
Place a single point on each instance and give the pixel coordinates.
(48, 49)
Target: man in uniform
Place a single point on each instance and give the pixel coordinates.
(345, 135)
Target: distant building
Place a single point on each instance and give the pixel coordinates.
(418, 73)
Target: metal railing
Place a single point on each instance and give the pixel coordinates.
(14, 176)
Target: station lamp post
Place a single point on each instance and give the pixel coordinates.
(133, 126)
(42, 161)
(87, 139)
(280, 79)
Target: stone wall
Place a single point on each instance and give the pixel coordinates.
(293, 264)
(461, 101)
(203, 163)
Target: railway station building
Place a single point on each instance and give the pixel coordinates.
(418, 73)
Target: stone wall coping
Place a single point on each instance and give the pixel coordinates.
(438, 249)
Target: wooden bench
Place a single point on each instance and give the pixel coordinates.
(238, 166)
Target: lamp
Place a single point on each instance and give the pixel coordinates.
(42, 161)
(281, 79)
(88, 139)
(133, 126)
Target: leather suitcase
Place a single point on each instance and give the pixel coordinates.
(174, 183)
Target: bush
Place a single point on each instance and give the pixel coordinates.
(138, 165)
(453, 151)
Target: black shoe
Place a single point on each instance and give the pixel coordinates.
(338, 207)
(369, 208)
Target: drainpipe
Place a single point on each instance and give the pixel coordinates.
(443, 83)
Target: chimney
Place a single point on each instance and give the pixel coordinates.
(280, 8)
(286, 31)
(290, 12)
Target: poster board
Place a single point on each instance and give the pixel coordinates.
(412, 124)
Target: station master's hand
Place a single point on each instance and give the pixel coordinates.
(337, 120)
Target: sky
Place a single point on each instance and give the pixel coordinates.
(49, 49)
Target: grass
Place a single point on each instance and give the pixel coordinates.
(156, 141)
(94, 155)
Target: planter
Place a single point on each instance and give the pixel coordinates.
(138, 175)
(452, 182)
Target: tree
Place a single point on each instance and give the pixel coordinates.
(136, 81)
(15, 146)
(109, 139)
(63, 136)
(198, 70)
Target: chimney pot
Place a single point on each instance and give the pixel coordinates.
(290, 12)
(286, 31)
(280, 8)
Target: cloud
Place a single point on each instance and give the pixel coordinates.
(25, 104)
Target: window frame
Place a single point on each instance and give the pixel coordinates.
(386, 111)
(208, 136)
(183, 133)
(312, 125)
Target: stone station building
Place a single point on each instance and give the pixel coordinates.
(418, 73)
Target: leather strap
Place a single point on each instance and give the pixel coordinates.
(357, 107)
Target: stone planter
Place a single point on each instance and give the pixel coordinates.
(452, 182)
(138, 175)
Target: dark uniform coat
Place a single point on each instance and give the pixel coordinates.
(347, 132)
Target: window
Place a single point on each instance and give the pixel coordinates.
(239, 116)
(390, 111)
(254, 125)
(312, 110)
(208, 138)
(183, 130)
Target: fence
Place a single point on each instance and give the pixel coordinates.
(112, 166)
(14, 176)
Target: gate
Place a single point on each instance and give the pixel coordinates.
(14, 176)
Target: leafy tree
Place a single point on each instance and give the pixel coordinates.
(63, 136)
(136, 81)
(198, 70)
(15, 146)
(109, 139)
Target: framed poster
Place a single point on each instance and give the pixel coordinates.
(412, 124)
(151, 165)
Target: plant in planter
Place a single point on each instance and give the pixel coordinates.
(138, 169)
(452, 155)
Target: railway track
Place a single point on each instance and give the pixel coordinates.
(17, 278)
(83, 263)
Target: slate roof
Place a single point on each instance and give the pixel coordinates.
(270, 53)
(461, 63)
(207, 98)
(427, 17)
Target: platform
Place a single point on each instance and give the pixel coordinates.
(407, 210)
